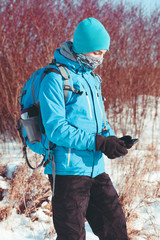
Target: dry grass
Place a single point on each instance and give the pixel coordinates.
(138, 190)
(134, 180)
(28, 190)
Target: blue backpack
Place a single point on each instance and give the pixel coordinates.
(29, 125)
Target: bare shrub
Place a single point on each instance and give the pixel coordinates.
(31, 30)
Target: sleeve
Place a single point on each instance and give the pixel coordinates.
(57, 128)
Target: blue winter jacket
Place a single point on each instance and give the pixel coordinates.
(73, 125)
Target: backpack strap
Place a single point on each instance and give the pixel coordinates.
(64, 72)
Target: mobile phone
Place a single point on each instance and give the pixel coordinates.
(134, 140)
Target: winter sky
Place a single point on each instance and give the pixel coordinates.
(147, 5)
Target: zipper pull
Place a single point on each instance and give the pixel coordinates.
(97, 91)
(85, 90)
(88, 101)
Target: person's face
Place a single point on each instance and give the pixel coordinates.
(99, 54)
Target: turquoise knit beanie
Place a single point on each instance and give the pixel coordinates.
(90, 35)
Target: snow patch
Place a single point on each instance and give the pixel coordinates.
(11, 168)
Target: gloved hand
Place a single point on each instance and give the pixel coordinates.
(127, 140)
(111, 146)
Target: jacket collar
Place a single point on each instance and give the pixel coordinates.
(65, 55)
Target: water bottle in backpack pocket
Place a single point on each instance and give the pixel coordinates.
(30, 121)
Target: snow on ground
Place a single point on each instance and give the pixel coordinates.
(19, 227)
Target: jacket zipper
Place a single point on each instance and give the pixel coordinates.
(95, 116)
(98, 101)
(93, 102)
(69, 156)
(88, 102)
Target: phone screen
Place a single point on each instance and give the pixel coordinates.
(134, 140)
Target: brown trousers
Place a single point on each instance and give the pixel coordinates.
(79, 197)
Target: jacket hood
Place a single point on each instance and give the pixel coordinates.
(66, 50)
(65, 55)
